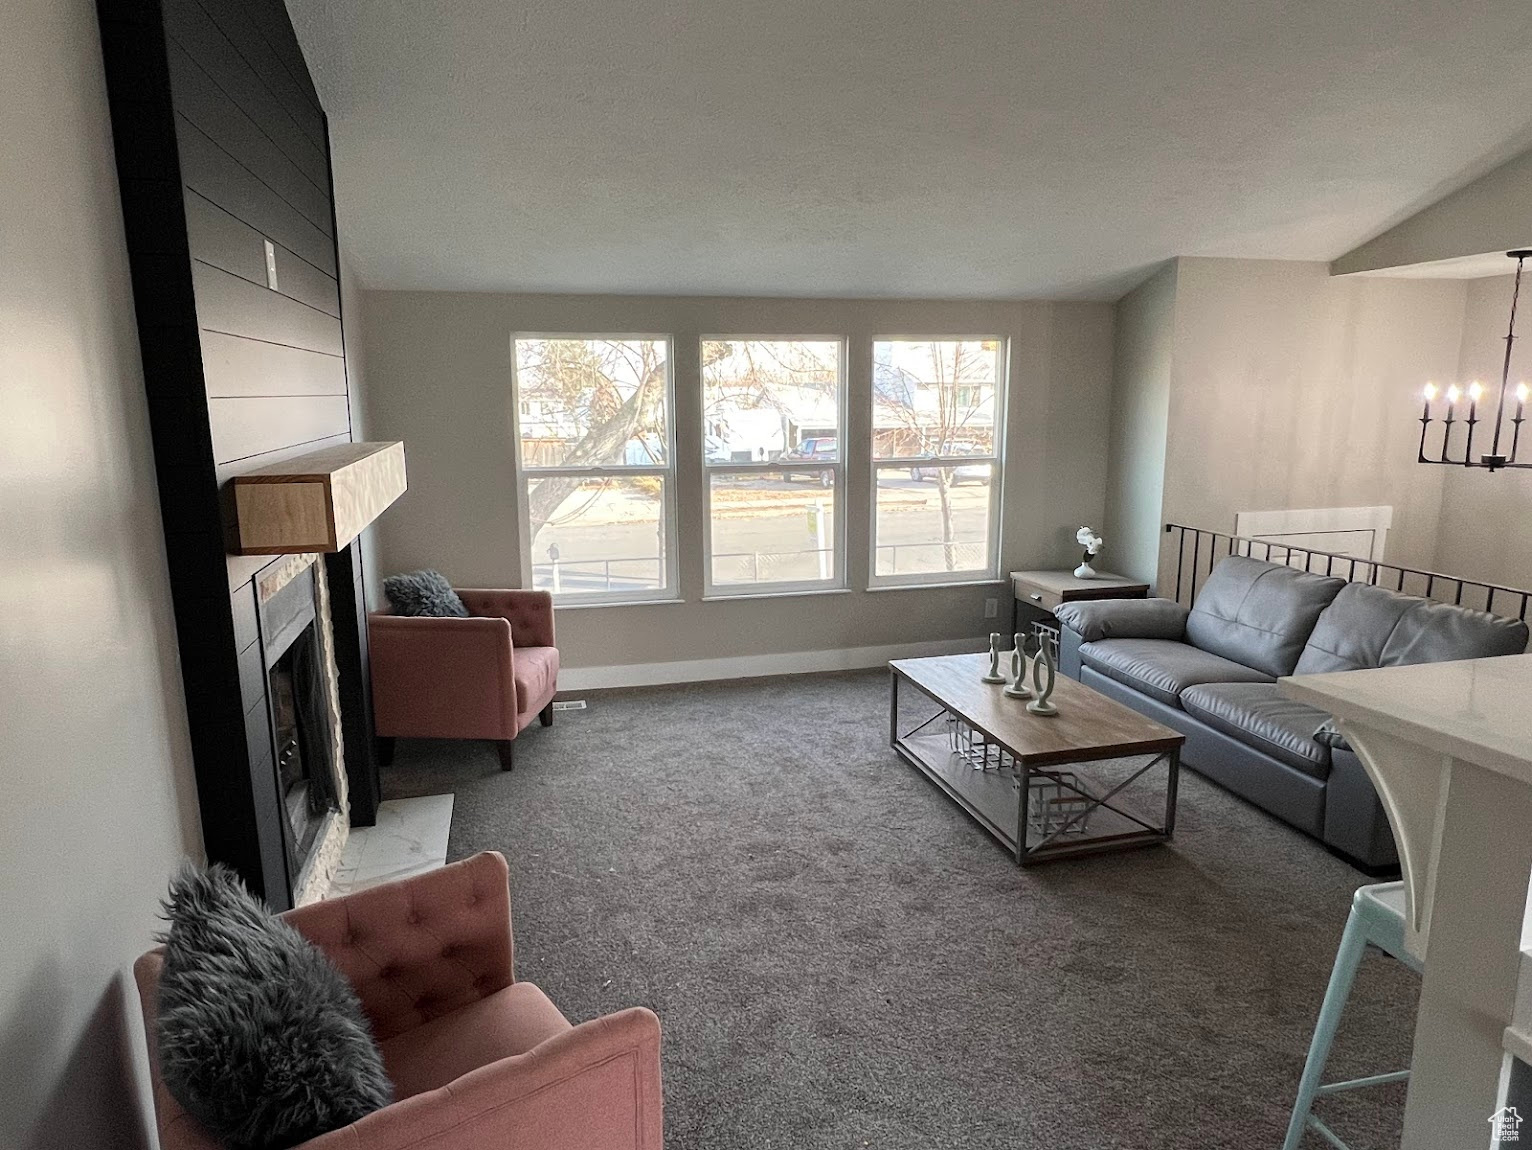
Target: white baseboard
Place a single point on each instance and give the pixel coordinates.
(749, 666)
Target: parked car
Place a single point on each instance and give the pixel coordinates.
(962, 472)
(820, 447)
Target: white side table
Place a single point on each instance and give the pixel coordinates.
(1449, 748)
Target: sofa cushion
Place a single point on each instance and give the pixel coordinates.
(1350, 633)
(535, 673)
(1438, 632)
(1163, 668)
(1095, 619)
(1330, 735)
(1257, 613)
(1258, 715)
(509, 1021)
(1370, 626)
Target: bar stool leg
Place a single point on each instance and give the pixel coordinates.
(1352, 946)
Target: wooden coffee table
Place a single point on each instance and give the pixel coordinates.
(1026, 778)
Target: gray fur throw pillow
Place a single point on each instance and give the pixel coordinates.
(423, 593)
(261, 1038)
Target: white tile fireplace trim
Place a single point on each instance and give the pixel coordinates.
(314, 880)
(409, 838)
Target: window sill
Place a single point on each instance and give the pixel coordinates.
(749, 595)
(936, 586)
(589, 604)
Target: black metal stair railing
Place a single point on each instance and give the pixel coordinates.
(1208, 547)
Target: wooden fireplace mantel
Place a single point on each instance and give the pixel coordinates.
(317, 502)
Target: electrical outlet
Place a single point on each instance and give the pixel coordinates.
(991, 608)
(271, 265)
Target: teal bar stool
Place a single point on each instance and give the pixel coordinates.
(1376, 919)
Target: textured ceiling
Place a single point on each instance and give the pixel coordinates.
(994, 148)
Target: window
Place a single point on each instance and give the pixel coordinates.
(771, 426)
(938, 420)
(593, 442)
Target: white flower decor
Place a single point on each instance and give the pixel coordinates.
(1087, 538)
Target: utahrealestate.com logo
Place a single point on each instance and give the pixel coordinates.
(1505, 1125)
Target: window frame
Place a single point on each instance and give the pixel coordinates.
(666, 473)
(713, 590)
(995, 458)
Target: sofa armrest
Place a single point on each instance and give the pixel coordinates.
(595, 1085)
(1124, 619)
(530, 613)
(420, 947)
(442, 678)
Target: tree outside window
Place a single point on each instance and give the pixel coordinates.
(938, 408)
(771, 431)
(594, 451)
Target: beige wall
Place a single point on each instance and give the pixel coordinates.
(1288, 388)
(1483, 533)
(1141, 365)
(1491, 214)
(99, 797)
(438, 368)
(1295, 389)
(356, 390)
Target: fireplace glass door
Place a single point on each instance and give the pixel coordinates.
(301, 726)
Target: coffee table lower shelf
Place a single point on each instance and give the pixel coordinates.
(994, 798)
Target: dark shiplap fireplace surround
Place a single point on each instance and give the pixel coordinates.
(223, 162)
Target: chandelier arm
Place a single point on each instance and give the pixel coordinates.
(1510, 342)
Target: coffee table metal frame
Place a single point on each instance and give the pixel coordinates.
(1013, 834)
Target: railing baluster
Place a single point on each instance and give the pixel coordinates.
(1196, 559)
(1233, 545)
(1180, 561)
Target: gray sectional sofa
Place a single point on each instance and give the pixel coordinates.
(1211, 673)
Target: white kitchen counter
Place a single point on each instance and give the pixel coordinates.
(1449, 747)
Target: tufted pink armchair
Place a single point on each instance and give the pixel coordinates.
(477, 1059)
(485, 677)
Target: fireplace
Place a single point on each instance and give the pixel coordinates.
(302, 744)
(304, 722)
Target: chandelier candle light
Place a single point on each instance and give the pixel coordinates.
(1494, 459)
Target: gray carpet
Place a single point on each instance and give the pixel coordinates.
(840, 958)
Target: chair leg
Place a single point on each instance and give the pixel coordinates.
(545, 716)
(505, 746)
(1347, 959)
(385, 750)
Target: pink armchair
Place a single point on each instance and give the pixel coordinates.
(477, 1059)
(485, 677)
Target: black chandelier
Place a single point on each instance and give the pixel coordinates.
(1493, 459)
